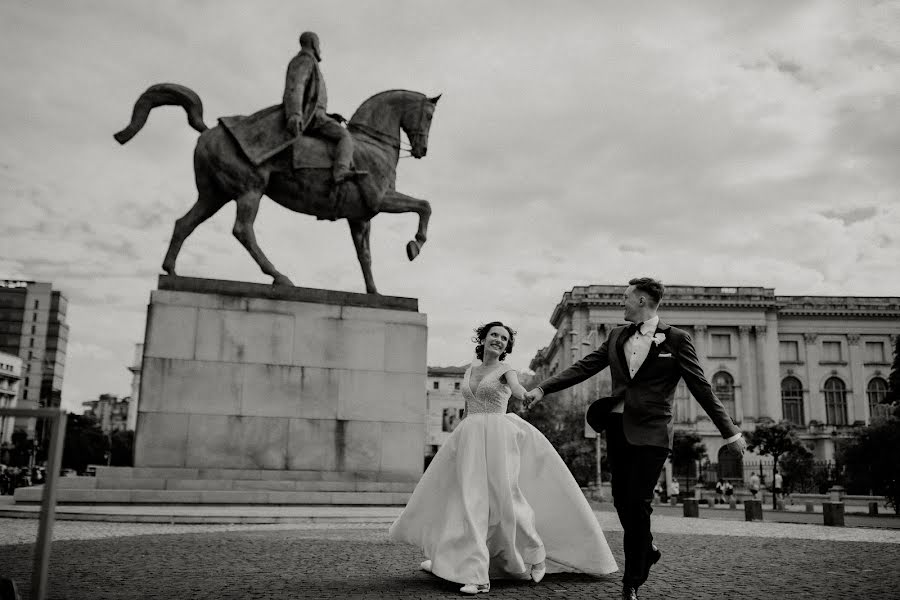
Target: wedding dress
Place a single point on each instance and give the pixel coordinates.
(497, 499)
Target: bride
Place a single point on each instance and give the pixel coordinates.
(497, 500)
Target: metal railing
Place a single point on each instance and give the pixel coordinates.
(57, 419)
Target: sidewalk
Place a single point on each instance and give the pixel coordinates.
(702, 558)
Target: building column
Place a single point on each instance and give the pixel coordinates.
(749, 398)
(858, 406)
(701, 347)
(813, 409)
(767, 357)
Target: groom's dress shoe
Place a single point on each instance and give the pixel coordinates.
(655, 555)
(629, 593)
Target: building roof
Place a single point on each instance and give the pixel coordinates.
(447, 371)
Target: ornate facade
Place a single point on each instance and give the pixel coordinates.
(821, 362)
(445, 405)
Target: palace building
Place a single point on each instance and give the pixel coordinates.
(820, 362)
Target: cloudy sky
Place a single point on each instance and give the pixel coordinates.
(709, 143)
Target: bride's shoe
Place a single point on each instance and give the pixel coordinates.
(475, 588)
(538, 571)
(426, 566)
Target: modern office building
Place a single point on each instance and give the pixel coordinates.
(821, 362)
(33, 327)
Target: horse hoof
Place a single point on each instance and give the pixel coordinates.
(412, 249)
(282, 280)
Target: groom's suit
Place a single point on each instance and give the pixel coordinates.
(640, 438)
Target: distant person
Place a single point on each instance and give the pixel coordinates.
(777, 485)
(674, 488)
(494, 484)
(728, 490)
(754, 485)
(720, 491)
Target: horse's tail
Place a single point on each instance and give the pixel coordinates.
(164, 94)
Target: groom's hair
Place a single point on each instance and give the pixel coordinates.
(652, 287)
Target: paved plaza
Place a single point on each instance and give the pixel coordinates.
(703, 558)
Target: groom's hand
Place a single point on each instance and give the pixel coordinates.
(737, 447)
(533, 397)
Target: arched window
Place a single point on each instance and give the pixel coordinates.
(681, 408)
(875, 393)
(835, 402)
(723, 386)
(792, 400)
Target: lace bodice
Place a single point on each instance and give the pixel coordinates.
(492, 395)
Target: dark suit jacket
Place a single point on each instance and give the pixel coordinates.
(647, 418)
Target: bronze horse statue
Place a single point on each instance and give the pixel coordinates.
(223, 172)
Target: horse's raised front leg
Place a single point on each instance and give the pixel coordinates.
(360, 232)
(247, 207)
(395, 202)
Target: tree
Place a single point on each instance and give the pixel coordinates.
(893, 395)
(85, 443)
(687, 449)
(563, 425)
(872, 461)
(797, 469)
(775, 440)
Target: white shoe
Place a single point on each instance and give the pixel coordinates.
(537, 573)
(426, 566)
(475, 588)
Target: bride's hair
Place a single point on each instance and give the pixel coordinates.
(481, 333)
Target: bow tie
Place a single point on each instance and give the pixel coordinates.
(633, 329)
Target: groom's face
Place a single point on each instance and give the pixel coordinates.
(632, 303)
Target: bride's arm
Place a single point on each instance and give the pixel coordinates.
(512, 380)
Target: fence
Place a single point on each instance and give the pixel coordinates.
(816, 477)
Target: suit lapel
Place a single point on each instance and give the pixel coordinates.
(620, 353)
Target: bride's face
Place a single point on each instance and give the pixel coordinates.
(496, 341)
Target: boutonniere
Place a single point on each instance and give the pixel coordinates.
(659, 338)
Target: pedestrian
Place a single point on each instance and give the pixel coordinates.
(754, 485)
(720, 491)
(777, 485)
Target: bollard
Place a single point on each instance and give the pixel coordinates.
(673, 501)
(810, 507)
(779, 504)
(753, 510)
(691, 508)
(833, 513)
(732, 503)
(836, 492)
(873, 509)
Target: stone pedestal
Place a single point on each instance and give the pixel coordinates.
(753, 510)
(255, 393)
(691, 507)
(873, 509)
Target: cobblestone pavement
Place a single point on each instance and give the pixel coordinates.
(745, 560)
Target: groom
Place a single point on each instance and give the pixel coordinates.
(646, 360)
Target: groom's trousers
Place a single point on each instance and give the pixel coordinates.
(635, 471)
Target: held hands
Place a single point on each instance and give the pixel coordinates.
(737, 447)
(532, 398)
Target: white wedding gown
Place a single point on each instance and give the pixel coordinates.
(497, 498)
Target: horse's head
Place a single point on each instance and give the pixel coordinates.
(416, 123)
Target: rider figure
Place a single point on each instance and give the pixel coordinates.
(305, 102)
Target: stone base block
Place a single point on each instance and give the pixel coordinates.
(753, 510)
(691, 507)
(833, 513)
(255, 382)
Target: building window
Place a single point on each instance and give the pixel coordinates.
(24, 394)
(721, 344)
(790, 351)
(34, 317)
(456, 385)
(31, 342)
(681, 409)
(435, 385)
(36, 304)
(831, 352)
(26, 382)
(30, 355)
(876, 392)
(875, 352)
(33, 329)
(792, 400)
(835, 402)
(723, 386)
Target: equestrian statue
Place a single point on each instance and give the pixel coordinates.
(301, 157)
